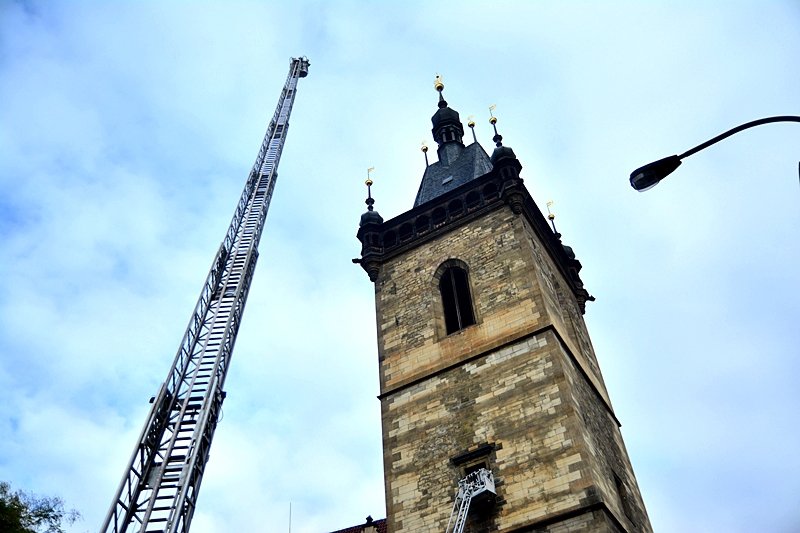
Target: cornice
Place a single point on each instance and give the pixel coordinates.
(494, 190)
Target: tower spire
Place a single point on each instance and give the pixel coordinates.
(457, 163)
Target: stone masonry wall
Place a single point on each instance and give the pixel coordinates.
(514, 398)
(547, 458)
(411, 341)
(506, 268)
(563, 309)
(508, 381)
(612, 467)
(592, 521)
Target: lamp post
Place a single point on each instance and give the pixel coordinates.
(648, 176)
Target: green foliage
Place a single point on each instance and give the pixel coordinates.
(27, 513)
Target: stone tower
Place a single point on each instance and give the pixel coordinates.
(485, 360)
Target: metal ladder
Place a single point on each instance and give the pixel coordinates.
(159, 489)
(479, 483)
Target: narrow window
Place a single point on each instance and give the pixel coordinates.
(624, 497)
(456, 299)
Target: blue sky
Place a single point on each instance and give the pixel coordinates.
(127, 131)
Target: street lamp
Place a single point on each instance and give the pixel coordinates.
(648, 176)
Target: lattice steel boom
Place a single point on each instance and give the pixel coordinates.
(159, 490)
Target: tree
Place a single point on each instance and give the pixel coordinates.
(21, 512)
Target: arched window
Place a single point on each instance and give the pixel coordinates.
(456, 300)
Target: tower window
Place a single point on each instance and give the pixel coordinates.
(456, 300)
(624, 497)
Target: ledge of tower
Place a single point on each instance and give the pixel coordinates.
(440, 178)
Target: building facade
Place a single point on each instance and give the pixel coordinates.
(485, 359)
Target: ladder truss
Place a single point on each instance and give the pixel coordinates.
(159, 489)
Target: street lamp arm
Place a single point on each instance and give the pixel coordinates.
(648, 176)
(737, 129)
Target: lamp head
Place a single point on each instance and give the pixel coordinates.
(648, 176)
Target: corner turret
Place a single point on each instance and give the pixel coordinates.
(369, 234)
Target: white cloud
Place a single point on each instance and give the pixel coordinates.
(126, 132)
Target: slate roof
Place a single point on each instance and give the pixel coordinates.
(472, 163)
(380, 525)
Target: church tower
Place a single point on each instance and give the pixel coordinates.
(485, 360)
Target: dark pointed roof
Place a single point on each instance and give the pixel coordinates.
(457, 163)
(440, 178)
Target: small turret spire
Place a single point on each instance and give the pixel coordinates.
(501, 152)
(371, 216)
(369, 201)
(369, 233)
(498, 139)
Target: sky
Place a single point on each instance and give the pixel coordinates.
(127, 130)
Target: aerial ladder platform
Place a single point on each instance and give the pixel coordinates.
(158, 492)
(476, 488)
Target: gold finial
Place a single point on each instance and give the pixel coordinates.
(492, 118)
(552, 218)
(438, 84)
(369, 182)
(471, 124)
(498, 139)
(424, 147)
